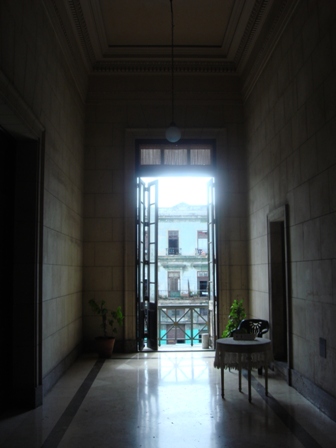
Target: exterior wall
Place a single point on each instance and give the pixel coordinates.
(290, 123)
(187, 228)
(33, 67)
(186, 263)
(120, 109)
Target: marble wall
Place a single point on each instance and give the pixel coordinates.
(290, 129)
(120, 109)
(42, 97)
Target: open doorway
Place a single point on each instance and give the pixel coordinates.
(162, 276)
(279, 290)
(175, 273)
(21, 273)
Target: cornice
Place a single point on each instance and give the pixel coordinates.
(275, 30)
(264, 27)
(164, 67)
(82, 31)
(67, 40)
(250, 30)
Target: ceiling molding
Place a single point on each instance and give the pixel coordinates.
(249, 39)
(244, 48)
(269, 42)
(59, 20)
(229, 43)
(82, 30)
(164, 67)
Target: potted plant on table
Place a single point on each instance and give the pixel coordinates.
(237, 313)
(111, 318)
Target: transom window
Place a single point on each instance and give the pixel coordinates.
(193, 155)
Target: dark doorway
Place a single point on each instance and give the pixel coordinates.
(279, 299)
(21, 249)
(278, 279)
(7, 151)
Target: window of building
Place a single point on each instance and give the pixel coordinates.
(173, 242)
(173, 284)
(202, 283)
(202, 242)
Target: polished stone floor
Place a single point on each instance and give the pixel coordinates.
(165, 400)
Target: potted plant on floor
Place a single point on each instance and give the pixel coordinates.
(111, 318)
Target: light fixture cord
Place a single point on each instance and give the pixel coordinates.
(172, 56)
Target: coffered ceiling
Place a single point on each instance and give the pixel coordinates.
(210, 36)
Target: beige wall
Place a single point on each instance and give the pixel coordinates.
(41, 93)
(43, 90)
(291, 123)
(121, 109)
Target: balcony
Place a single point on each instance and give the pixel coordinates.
(201, 295)
(182, 323)
(173, 251)
(201, 253)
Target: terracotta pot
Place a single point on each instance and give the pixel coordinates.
(104, 347)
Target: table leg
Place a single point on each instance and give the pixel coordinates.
(249, 378)
(249, 385)
(239, 372)
(222, 380)
(266, 379)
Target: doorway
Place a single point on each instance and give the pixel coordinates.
(21, 273)
(279, 291)
(7, 151)
(163, 274)
(175, 295)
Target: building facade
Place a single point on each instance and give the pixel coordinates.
(182, 274)
(183, 251)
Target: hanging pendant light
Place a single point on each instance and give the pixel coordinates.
(173, 134)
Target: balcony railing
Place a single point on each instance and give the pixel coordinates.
(201, 253)
(178, 251)
(173, 251)
(182, 324)
(183, 294)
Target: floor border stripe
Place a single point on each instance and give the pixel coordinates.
(300, 433)
(57, 433)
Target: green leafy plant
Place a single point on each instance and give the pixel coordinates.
(237, 313)
(111, 318)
